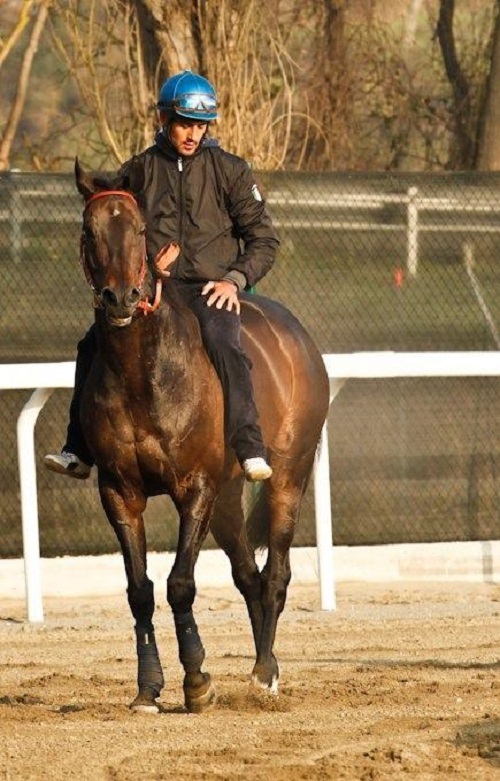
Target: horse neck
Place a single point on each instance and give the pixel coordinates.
(151, 344)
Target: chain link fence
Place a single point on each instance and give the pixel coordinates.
(368, 262)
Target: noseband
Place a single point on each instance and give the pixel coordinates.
(143, 303)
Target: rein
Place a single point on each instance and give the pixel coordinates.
(144, 303)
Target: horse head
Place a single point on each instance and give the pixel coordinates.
(113, 247)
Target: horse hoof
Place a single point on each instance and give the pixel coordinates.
(266, 688)
(201, 697)
(143, 704)
(154, 708)
(265, 677)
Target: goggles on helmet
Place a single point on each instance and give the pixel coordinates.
(198, 104)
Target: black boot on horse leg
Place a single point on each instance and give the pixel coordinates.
(195, 509)
(150, 679)
(140, 593)
(199, 692)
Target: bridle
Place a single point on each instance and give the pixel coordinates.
(144, 303)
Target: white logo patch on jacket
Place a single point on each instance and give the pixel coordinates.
(256, 193)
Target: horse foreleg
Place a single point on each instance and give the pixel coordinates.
(195, 510)
(126, 519)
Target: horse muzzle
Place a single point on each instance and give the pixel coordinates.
(119, 306)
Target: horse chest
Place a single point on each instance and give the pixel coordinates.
(150, 432)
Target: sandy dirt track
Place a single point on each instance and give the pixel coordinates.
(402, 681)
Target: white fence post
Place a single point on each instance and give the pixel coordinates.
(323, 515)
(412, 235)
(29, 501)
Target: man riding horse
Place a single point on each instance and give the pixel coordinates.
(208, 230)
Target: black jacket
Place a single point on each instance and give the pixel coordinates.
(210, 204)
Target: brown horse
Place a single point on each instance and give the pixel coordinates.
(152, 412)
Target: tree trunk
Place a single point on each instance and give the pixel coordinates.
(411, 22)
(488, 158)
(149, 34)
(172, 28)
(463, 143)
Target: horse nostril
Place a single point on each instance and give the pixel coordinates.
(109, 296)
(132, 296)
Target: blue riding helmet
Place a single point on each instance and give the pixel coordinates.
(190, 96)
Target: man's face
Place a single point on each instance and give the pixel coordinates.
(186, 135)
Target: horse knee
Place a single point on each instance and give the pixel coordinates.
(180, 593)
(142, 603)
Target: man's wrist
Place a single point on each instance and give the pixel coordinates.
(237, 278)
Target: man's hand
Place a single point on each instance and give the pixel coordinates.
(166, 256)
(224, 294)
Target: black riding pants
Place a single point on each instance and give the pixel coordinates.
(220, 331)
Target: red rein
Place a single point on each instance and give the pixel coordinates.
(144, 303)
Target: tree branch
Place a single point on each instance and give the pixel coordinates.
(22, 86)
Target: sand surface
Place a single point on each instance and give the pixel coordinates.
(401, 681)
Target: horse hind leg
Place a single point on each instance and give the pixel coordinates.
(284, 499)
(128, 525)
(230, 524)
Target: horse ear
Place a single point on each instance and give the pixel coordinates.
(88, 183)
(84, 180)
(133, 177)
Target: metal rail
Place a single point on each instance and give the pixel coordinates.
(45, 377)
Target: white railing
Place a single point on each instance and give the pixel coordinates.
(317, 211)
(46, 377)
(414, 203)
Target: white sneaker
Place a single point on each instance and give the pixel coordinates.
(68, 464)
(256, 469)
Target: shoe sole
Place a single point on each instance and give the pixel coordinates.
(54, 466)
(256, 475)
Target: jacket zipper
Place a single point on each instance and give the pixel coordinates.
(180, 168)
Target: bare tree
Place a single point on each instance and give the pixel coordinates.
(302, 84)
(119, 52)
(463, 143)
(489, 124)
(412, 14)
(104, 53)
(22, 20)
(329, 94)
(13, 119)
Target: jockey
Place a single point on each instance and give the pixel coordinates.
(205, 200)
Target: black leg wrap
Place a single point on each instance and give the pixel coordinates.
(191, 651)
(149, 671)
